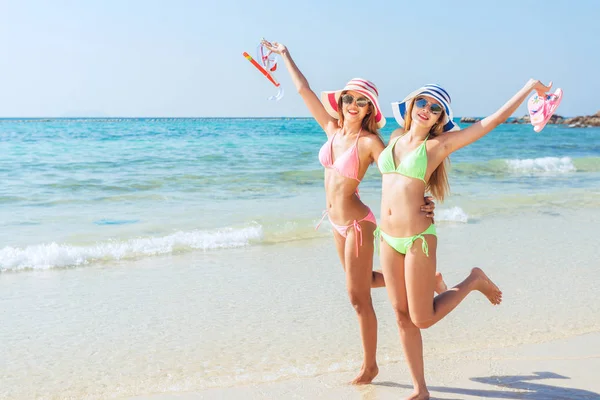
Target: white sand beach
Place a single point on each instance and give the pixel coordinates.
(561, 369)
(274, 321)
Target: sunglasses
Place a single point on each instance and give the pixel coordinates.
(434, 108)
(361, 101)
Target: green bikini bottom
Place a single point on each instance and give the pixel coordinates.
(401, 245)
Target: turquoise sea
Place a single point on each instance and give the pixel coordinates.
(149, 256)
(79, 192)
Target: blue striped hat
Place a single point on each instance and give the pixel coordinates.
(432, 90)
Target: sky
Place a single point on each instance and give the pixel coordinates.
(183, 58)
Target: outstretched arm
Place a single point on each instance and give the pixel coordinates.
(457, 140)
(327, 122)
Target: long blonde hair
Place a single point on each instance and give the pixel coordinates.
(438, 184)
(369, 124)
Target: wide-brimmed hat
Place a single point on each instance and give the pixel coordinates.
(432, 90)
(363, 86)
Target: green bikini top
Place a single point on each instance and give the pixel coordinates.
(414, 164)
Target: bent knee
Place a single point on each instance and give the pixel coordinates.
(423, 324)
(361, 301)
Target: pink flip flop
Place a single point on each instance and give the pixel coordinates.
(541, 109)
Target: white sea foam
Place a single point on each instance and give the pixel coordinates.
(454, 214)
(544, 165)
(52, 255)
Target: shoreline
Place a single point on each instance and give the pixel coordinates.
(522, 372)
(188, 323)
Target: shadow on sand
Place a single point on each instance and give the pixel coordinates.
(522, 387)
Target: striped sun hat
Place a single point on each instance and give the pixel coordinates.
(363, 86)
(432, 90)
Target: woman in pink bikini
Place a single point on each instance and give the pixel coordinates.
(351, 118)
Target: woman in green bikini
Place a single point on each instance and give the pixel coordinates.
(414, 162)
(350, 118)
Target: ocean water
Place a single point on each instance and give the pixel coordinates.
(167, 256)
(78, 192)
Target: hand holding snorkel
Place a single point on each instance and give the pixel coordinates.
(266, 63)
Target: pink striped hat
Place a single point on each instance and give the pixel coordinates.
(363, 86)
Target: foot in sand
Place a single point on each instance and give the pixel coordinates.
(365, 376)
(486, 286)
(440, 285)
(418, 396)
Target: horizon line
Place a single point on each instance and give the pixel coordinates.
(205, 117)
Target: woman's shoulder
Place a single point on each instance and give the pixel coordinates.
(331, 128)
(370, 138)
(397, 132)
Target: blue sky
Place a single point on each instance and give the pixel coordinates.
(183, 58)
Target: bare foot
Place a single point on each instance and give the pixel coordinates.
(440, 285)
(486, 286)
(365, 376)
(377, 280)
(419, 396)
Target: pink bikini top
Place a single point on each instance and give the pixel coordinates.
(346, 164)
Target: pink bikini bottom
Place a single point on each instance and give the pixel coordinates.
(343, 229)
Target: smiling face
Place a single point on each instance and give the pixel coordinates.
(355, 106)
(426, 111)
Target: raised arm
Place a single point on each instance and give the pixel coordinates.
(456, 140)
(327, 122)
